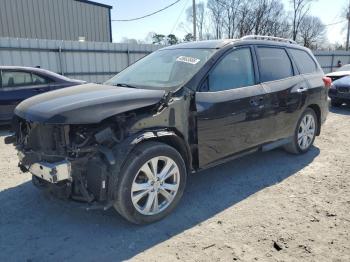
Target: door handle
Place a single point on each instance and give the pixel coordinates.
(301, 89)
(39, 89)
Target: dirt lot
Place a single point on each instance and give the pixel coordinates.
(265, 207)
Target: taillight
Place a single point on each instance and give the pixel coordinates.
(327, 81)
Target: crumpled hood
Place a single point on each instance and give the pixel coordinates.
(85, 104)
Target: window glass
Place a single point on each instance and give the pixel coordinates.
(15, 79)
(274, 64)
(165, 69)
(233, 71)
(39, 80)
(304, 61)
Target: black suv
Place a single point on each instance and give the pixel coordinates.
(131, 142)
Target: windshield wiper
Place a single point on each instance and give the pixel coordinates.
(124, 85)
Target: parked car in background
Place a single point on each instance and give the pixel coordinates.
(340, 91)
(20, 83)
(131, 142)
(340, 72)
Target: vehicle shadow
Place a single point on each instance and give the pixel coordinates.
(342, 110)
(35, 226)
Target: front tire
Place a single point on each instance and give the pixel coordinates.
(151, 183)
(304, 133)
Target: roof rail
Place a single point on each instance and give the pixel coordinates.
(271, 38)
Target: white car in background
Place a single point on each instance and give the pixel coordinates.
(340, 72)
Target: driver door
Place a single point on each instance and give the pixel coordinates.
(230, 108)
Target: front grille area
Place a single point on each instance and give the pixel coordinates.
(43, 139)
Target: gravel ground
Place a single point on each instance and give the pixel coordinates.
(265, 207)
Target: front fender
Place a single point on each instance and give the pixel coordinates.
(123, 149)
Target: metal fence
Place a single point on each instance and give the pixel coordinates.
(329, 59)
(97, 61)
(90, 61)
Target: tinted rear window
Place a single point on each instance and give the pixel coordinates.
(303, 60)
(16, 78)
(274, 64)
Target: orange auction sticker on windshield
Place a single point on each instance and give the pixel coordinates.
(187, 59)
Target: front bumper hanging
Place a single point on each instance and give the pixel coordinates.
(50, 172)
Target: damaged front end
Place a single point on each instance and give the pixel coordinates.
(70, 161)
(77, 152)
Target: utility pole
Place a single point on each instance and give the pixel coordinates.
(348, 35)
(194, 20)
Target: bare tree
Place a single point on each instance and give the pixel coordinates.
(216, 9)
(312, 32)
(301, 9)
(237, 18)
(231, 10)
(200, 15)
(263, 17)
(246, 20)
(272, 19)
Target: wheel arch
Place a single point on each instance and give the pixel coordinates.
(122, 150)
(170, 138)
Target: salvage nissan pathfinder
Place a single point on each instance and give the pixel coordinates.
(130, 143)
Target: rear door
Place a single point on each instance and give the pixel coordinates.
(17, 86)
(285, 88)
(313, 75)
(230, 107)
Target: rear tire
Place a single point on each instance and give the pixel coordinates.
(304, 133)
(336, 102)
(155, 171)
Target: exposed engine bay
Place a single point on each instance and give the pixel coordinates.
(71, 161)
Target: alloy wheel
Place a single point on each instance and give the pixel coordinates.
(155, 185)
(306, 131)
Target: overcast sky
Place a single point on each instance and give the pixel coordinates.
(169, 20)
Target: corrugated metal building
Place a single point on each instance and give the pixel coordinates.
(56, 19)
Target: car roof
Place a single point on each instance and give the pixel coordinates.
(206, 44)
(35, 70)
(222, 43)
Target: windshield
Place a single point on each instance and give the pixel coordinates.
(344, 68)
(164, 69)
